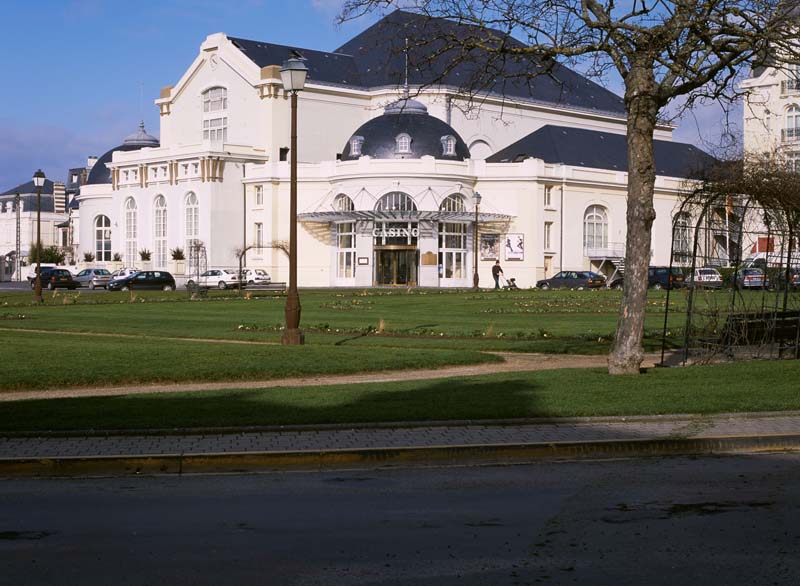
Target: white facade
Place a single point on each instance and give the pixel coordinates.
(218, 178)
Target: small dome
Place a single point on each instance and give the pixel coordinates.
(100, 173)
(141, 138)
(405, 130)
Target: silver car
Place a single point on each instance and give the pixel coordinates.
(93, 278)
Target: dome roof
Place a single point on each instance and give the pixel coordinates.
(100, 173)
(428, 135)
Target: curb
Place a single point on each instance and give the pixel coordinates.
(461, 455)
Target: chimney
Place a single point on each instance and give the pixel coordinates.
(59, 197)
(91, 161)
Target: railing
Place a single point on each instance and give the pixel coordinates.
(790, 86)
(611, 250)
(790, 134)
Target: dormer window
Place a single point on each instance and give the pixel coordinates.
(449, 146)
(403, 144)
(355, 146)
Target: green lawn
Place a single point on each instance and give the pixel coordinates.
(754, 386)
(42, 360)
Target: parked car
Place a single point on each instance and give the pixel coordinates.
(220, 278)
(665, 277)
(256, 277)
(705, 277)
(32, 269)
(571, 279)
(751, 278)
(93, 278)
(144, 280)
(617, 283)
(124, 272)
(55, 278)
(794, 278)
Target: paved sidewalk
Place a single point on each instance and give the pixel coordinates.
(388, 445)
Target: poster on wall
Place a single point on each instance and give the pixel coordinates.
(490, 246)
(515, 247)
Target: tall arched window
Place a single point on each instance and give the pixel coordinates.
(191, 227)
(681, 238)
(595, 228)
(131, 221)
(160, 232)
(342, 203)
(215, 118)
(452, 240)
(102, 238)
(792, 130)
(396, 201)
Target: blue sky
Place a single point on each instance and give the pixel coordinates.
(78, 75)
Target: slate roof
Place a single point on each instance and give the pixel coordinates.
(100, 173)
(412, 118)
(601, 150)
(376, 58)
(28, 202)
(29, 187)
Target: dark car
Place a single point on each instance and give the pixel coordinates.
(617, 283)
(93, 278)
(55, 278)
(572, 280)
(665, 277)
(161, 280)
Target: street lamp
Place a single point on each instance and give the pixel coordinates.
(293, 76)
(477, 200)
(38, 181)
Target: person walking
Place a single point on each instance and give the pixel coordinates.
(496, 272)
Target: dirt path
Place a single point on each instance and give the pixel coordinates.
(513, 362)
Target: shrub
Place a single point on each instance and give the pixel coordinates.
(145, 254)
(49, 254)
(88, 257)
(177, 254)
(117, 257)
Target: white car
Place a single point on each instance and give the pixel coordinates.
(124, 272)
(256, 277)
(706, 277)
(220, 278)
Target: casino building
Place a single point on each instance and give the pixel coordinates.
(400, 183)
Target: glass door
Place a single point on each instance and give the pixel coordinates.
(396, 267)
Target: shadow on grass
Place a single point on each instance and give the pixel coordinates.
(503, 398)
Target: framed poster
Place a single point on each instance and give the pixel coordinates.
(515, 246)
(490, 246)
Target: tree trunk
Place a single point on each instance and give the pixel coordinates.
(627, 353)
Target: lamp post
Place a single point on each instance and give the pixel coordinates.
(18, 256)
(475, 241)
(38, 181)
(293, 76)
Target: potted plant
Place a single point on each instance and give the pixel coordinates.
(116, 262)
(177, 265)
(144, 256)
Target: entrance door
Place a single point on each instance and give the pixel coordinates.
(396, 267)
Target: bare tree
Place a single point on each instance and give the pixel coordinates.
(660, 49)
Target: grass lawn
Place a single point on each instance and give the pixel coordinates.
(754, 386)
(41, 360)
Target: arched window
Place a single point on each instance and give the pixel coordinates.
(403, 141)
(191, 227)
(792, 130)
(102, 239)
(131, 221)
(453, 203)
(595, 228)
(355, 146)
(448, 145)
(342, 203)
(215, 119)
(160, 232)
(681, 238)
(396, 201)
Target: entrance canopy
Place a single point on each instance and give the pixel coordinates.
(401, 216)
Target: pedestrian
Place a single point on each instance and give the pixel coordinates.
(496, 272)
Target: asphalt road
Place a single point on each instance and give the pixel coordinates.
(680, 521)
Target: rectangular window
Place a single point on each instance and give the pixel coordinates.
(548, 196)
(215, 129)
(548, 226)
(259, 195)
(258, 232)
(346, 254)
